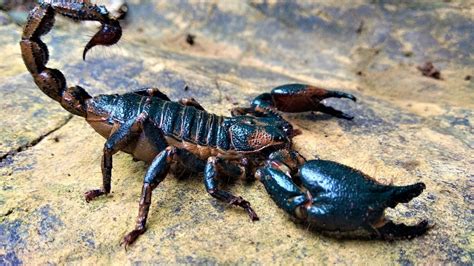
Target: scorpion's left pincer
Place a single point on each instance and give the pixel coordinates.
(334, 197)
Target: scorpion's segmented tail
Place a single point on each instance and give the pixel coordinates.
(35, 53)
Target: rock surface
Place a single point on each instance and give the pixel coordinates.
(407, 128)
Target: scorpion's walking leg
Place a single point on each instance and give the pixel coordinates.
(215, 169)
(120, 137)
(295, 98)
(157, 171)
(155, 92)
(152, 92)
(191, 102)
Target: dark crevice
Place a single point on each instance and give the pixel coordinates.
(9, 211)
(33, 142)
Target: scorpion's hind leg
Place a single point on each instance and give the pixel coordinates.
(295, 98)
(191, 102)
(215, 169)
(153, 93)
(120, 137)
(156, 172)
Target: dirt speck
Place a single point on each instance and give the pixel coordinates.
(360, 28)
(190, 39)
(429, 70)
(410, 165)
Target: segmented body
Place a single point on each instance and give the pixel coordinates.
(197, 131)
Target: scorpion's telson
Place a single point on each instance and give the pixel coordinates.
(151, 127)
(110, 31)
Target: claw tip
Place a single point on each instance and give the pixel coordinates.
(84, 53)
(421, 185)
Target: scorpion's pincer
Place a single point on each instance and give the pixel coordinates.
(334, 197)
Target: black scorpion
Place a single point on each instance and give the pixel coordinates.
(255, 142)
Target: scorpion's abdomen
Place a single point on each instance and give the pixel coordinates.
(186, 124)
(186, 127)
(197, 131)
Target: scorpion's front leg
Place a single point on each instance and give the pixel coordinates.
(295, 98)
(120, 137)
(215, 169)
(335, 197)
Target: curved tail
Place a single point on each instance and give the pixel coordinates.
(35, 53)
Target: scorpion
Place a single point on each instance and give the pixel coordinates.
(253, 143)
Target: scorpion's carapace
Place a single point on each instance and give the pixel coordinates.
(151, 127)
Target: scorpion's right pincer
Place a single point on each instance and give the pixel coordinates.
(335, 197)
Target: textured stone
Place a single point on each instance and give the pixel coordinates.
(407, 128)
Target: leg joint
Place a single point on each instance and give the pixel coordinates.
(108, 148)
(213, 160)
(211, 191)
